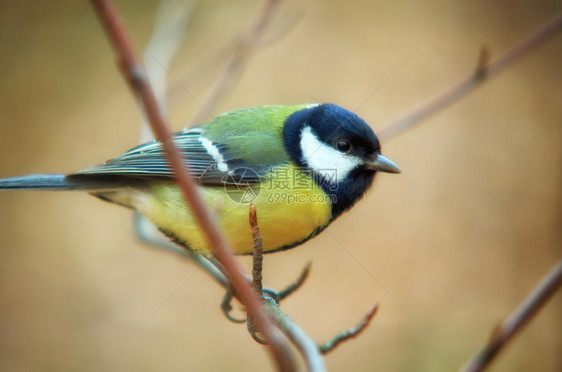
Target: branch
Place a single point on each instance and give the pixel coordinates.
(167, 34)
(258, 251)
(350, 333)
(304, 344)
(297, 284)
(505, 331)
(483, 73)
(224, 52)
(237, 62)
(132, 70)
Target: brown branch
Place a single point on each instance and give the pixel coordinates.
(297, 284)
(224, 52)
(258, 251)
(505, 331)
(257, 268)
(483, 73)
(169, 28)
(304, 344)
(483, 62)
(133, 72)
(237, 62)
(350, 333)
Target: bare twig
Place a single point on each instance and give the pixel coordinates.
(484, 71)
(258, 251)
(297, 284)
(283, 29)
(350, 333)
(222, 53)
(132, 70)
(237, 61)
(303, 343)
(257, 268)
(483, 62)
(168, 32)
(505, 331)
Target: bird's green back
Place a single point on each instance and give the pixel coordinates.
(253, 134)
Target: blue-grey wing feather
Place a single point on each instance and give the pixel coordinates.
(149, 161)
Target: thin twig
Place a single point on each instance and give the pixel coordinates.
(484, 72)
(237, 61)
(132, 70)
(505, 331)
(282, 30)
(257, 268)
(258, 251)
(350, 333)
(297, 284)
(224, 52)
(483, 62)
(169, 29)
(304, 344)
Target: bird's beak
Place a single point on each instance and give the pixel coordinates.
(382, 164)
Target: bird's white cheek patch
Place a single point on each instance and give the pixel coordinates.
(324, 159)
(215, 153)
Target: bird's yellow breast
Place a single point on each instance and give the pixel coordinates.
(290, 207)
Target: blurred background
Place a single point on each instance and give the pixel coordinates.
(458, 239)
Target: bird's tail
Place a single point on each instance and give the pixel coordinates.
(60, 182)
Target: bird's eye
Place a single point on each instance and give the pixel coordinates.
(343, 145)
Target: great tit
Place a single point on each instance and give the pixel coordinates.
(302, 166)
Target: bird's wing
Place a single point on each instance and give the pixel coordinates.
(237, 146)
(208, 161)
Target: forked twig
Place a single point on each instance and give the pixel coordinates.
(483, 72)
(350, 333)
(237, 61)
(505, 331)
(305, 345)
(133, 72)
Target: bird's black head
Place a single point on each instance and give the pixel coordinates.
(340, 150)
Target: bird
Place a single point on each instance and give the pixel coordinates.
(301, 166)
